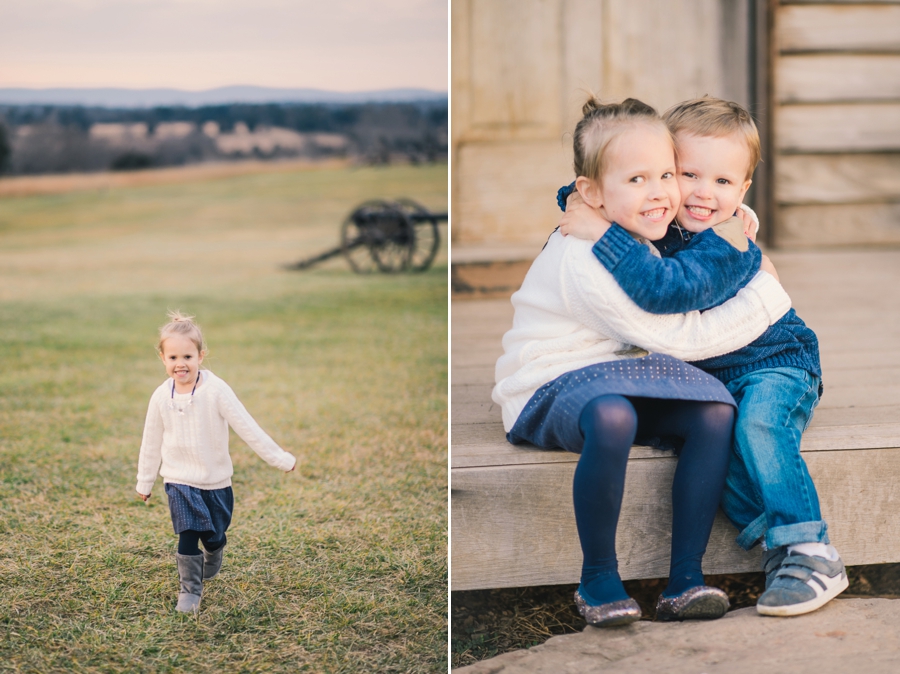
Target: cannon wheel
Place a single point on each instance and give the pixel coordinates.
(357, 236)
(395, 246)
(426, 235)
(377, 236)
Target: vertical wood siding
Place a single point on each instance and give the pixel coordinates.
(521, 70)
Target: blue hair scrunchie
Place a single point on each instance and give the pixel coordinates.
(562, 194)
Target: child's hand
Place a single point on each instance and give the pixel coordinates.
(582, 221)
(766, 265)
(751, 226)
(144, 496)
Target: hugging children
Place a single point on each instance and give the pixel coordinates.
(775, 380)
(186, 441)
(586, 369)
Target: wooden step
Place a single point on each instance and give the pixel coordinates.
(511, 518)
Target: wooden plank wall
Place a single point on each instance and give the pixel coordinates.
(520, 73)
(836, 123)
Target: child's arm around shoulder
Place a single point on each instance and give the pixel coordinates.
(150, 456)
(711, 268)
(708, 271)
(249, 431)
(595, 300)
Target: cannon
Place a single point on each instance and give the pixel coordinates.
(386, 236)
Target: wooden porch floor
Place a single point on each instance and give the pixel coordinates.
(511, 520)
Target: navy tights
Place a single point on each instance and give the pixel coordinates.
(609, 425)
(189, 542)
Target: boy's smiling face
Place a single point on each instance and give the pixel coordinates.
(712, 175)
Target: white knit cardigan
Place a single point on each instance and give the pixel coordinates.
(192, 448)
(571, 313)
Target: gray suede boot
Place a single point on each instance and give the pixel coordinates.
(212, 562)
(190, 573)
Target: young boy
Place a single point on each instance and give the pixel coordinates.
(776, 380)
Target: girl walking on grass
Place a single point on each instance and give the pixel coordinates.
(186, 441)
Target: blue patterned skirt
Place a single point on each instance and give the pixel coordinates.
(550, 419)
(194, 509)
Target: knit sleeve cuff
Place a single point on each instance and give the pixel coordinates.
(144, 488)
(752, 214)
(285, 462)
(613, 247)
(774, 298)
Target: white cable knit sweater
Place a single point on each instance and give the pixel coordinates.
(571, 313)
(192, 448)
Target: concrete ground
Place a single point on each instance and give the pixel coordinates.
(848, 636)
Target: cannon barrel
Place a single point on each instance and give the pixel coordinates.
(309, 262)
(425, 217)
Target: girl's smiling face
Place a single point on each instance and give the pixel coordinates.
(712, 175)
(182, 359)
(638, 189)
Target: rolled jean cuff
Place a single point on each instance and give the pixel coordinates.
(752, 533)
(802, 532)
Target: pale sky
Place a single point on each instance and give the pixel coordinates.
(339, 45)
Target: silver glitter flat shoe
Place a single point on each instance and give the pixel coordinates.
(697, 603)
(613, 613)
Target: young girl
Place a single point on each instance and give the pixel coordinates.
(186, 441)
(575, 373)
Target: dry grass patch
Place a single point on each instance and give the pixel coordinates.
(340, 566)
(26, 186)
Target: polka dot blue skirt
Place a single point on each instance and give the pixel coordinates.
(550, 419)
(194, 509)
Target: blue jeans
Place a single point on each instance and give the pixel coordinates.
(769, 494)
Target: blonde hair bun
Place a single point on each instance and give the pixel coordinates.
(590, 105)
(178, 317)
(181, 324)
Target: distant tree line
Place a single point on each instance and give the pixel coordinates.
(5, 149)
(42, 138)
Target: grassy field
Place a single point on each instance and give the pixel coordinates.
(340, 566)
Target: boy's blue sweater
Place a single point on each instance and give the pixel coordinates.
(698, 272)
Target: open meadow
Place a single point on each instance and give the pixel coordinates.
(340, 566)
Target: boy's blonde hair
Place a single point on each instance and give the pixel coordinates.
(708, 116)
(601, 123)
(181, 324)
